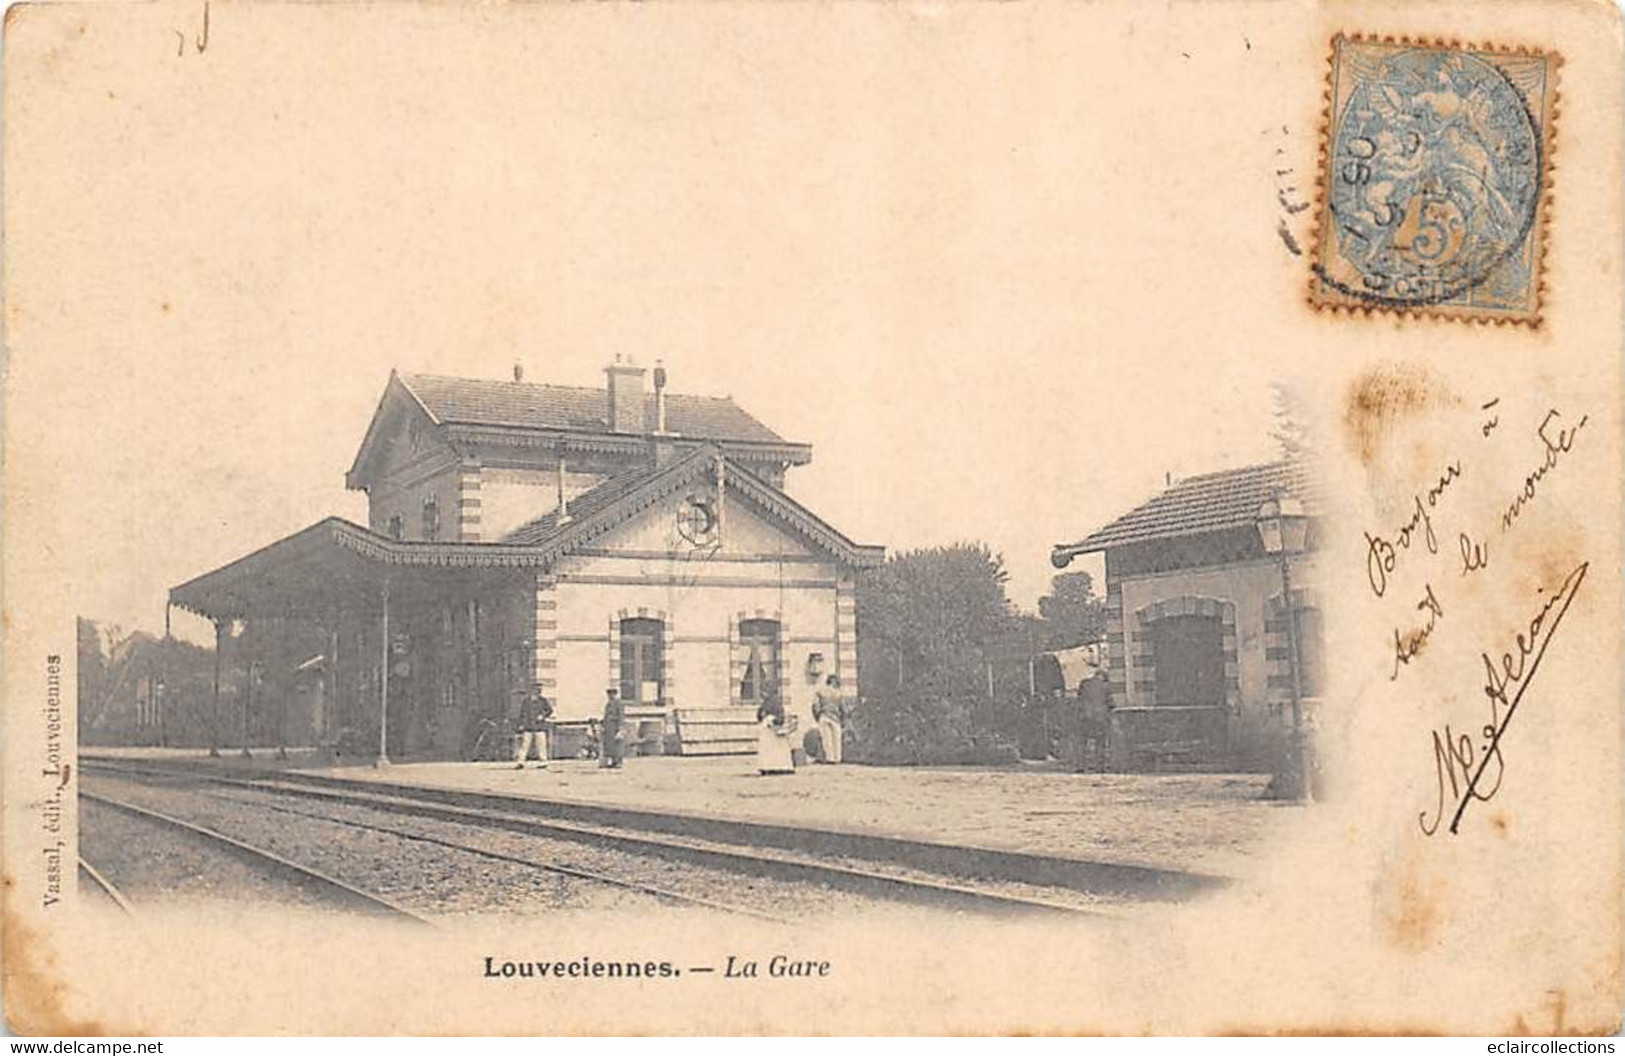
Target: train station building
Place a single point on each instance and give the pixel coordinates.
(573, 538)
(1201, 664)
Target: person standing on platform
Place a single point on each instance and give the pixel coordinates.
(1093, 696)
(828, 707)
(534, 719)
(773, 730)
(612, 743)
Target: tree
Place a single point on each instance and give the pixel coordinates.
(929, 612)
(925, 617)
(1073, 614)
(92, 682)
(1293, 429)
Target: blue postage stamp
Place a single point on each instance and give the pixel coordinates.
(1432, 195)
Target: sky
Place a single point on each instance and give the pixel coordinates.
(984, 284)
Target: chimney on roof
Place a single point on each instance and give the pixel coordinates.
(660, 397)
(625, 397)
(518, 372)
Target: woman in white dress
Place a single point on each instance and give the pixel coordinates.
(773, 732)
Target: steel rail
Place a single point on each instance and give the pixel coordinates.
(105, 886)
(575, 872)
(337, 890)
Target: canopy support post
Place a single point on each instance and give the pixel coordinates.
(214, 710)
(281, 685)
(248, 694)
(331, 701)
(383, 683)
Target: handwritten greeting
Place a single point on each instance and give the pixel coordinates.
(1468, 766)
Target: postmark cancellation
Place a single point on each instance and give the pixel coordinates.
(1435, 175)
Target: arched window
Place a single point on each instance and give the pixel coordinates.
(759, 640)
(431, 517)
(643, 651)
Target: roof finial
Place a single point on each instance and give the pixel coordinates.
(518, 372)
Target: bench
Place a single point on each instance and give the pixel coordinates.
(716, 731)
(1164, 752)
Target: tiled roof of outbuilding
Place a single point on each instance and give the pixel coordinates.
(1209, 502)
(480, 401)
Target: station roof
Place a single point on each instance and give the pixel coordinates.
(475, 411)
(523, 405)
(336, 564)
(623, 496)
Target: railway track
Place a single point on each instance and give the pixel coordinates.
(593, 876)
(100, 883)
(330, 889)
(660, 893)
(865, 879)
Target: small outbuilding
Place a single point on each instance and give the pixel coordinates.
(1199, 643)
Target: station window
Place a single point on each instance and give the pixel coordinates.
(431, 517)
(397, 527)
(642, 660)
(759, 640)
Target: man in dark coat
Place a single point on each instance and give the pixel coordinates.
(612, 743)
(1094, 701)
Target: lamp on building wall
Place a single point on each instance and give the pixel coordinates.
(1283, 526)
(815, 666)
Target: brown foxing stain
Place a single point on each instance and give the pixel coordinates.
(1562, 549)
(1383, 397)
(1418, 919)
(34, 993)
(1408, 907)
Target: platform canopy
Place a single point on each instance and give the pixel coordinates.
(337, 566)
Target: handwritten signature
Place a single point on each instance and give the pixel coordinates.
(1461, 761)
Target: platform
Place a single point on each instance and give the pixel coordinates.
(1205, 823)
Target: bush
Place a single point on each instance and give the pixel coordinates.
(915, 729)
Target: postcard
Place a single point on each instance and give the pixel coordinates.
(812, 518)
